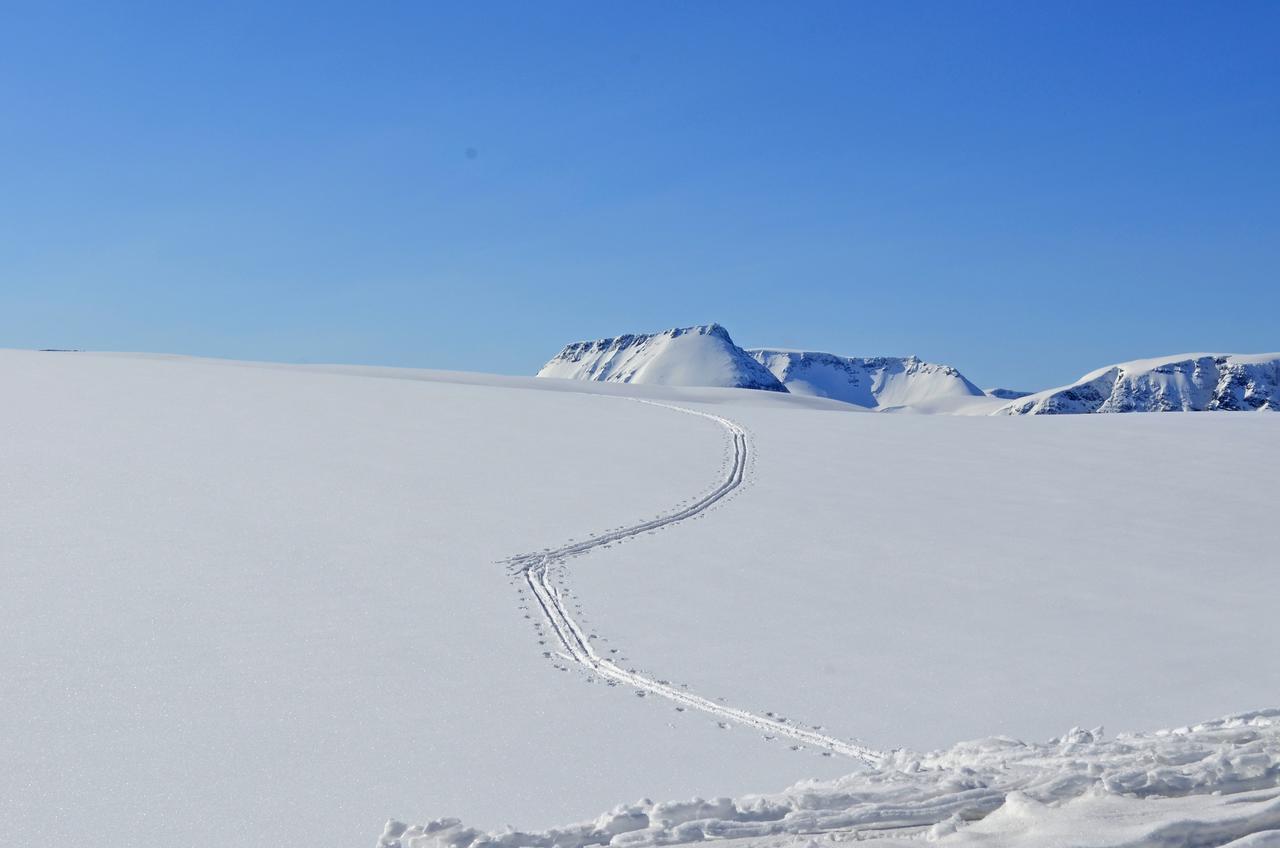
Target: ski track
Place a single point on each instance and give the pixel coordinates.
(535, 569)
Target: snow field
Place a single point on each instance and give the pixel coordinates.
(264, 606)
(916, 580)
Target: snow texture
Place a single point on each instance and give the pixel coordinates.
(1214, 783)
(688, 356)
(536, 568)
(880, 382)
(1183, 383)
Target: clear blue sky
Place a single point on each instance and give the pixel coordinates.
(1023, 190)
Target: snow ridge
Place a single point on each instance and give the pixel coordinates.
(989, 791)
(535, 570)
(1006, 394)
(684, 356)
(876, 382)
(1188, 382)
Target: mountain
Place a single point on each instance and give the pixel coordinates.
(1006, 394)
(707, 356)
(687, 356)
(876, 382)
(1186, 382)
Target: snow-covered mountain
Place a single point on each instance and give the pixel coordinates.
(686, 356)
(707, 356)
(876, 382)
(1186, 382)
(1006, 394)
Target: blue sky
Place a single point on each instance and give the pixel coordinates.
(1023, 190)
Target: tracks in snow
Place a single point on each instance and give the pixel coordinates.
(535, 569)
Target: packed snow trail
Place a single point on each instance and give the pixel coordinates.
(535, 569)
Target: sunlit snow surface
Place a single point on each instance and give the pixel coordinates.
(1205, 785)
(263, 605)
(255, 606)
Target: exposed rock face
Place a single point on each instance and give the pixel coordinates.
(1186, 383)
(687, 356)
(873, 382)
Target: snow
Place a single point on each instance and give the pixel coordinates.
(1185, 382)
(1207, 784)
(883, 382)
(1022, 566)
(707, 356)
(689, 356)
(263, 606)
(1005, 394)
(259, 604)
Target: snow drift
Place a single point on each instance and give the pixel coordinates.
(687, 356)
(1187, 382)
(1206, 784)
(875, 382)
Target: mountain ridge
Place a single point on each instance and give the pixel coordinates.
(875, 382)
(706, 355)
(702, 355)
(1188, 382)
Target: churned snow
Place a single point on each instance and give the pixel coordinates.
(1208, 784)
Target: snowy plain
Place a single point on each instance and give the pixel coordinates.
(919, 580)
(255, 605)
(263, 605)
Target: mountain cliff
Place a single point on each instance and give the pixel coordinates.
(1186, 382)
(875, 382)
(686, 356)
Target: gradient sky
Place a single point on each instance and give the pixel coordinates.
(1023, 190)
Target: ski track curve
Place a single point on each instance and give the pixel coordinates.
(535, 570)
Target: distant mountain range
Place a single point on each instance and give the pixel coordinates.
(879, 382)
(707, 356)
(1185, 383)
